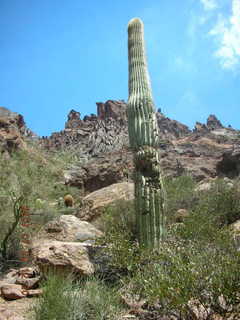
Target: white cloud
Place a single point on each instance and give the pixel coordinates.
(227, 32)
(209, 4)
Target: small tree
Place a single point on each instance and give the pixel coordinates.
(17, 203)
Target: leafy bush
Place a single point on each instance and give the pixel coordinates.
(119, 215)
(222, 202)
(179, 195)
(198, 262)
(30, 176)
(185, 270)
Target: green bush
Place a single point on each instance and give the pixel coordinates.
(96, 301)
(119, 215)
(35, 177)
(56, 301)
(184, 270)
(85, 300)
(197, 262)
(221, 202)
(180, 194)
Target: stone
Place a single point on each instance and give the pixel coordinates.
(34, 292)
(213, 122)
(28, 283)
(11, 276)
(12, 131)
(112, 109)
(27, 272)
(13, 291)
(100, 172)
(70, 228)
(62, 257)
(197, 310)
(94, 203)
(229, 163)
(203, 186)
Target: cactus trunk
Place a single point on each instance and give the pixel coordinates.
(143, 137)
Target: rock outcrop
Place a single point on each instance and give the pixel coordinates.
(101, 144)
(62, 257)
(70, 228)
(105, 132)
(63, 245)
(13, 130)
(94, 203)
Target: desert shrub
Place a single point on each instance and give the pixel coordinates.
(96, 301)
(119, 215)
(56, 301)
(198, 261)
(85, 300)
(221, 202)
(183, 272)
(119, 240)
(179, 195)
(31, 176)
(193, 263)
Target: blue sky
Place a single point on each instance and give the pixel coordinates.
(58, 55)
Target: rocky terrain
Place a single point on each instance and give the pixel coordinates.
(103, 171)
(13, 131)
(101, 143)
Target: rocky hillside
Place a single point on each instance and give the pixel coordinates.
(100, 143)
(13, 130)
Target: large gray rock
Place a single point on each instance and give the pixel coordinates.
(95, 202)
(62, 257)
(70, 228)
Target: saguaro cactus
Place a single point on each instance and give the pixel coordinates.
(143, 136)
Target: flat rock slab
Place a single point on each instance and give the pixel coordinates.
(13, 291)
(62, 257)
(70, 228)
(95, 202)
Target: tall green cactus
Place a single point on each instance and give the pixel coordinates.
(143, 136)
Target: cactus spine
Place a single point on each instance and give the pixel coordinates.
(143, 137)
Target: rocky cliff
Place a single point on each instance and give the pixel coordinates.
(101, 141)
(13, 130)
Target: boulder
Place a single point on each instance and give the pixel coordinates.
(62, 257)
(70, 228)
(100, 172)
(13, 291)
(28, 283)
(34, 293)
(95, 202)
